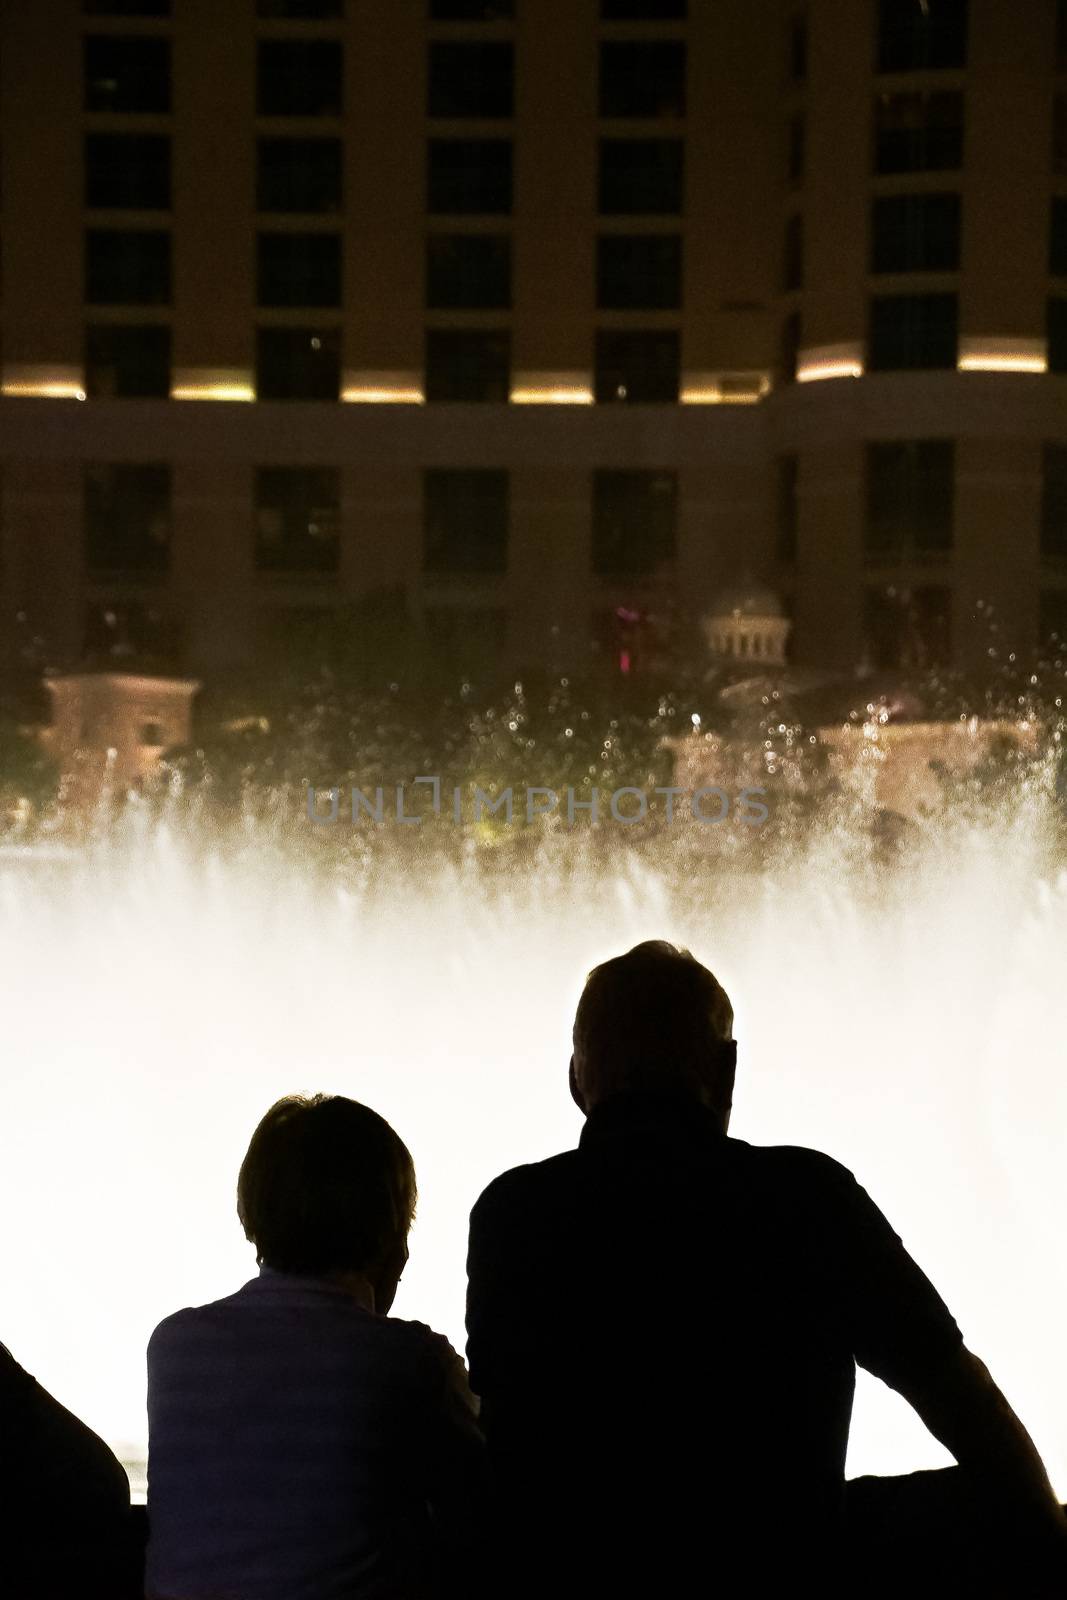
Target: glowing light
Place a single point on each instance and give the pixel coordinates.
(33, 382)
(830, 361)
(1003, 355)
(382, 388)
(213, 383)
(726, 389)
(552, 389)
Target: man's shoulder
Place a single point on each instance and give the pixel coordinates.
(190, 1320)
(517, 1184)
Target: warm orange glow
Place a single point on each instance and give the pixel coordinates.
(34, 382)
(367, 394)
(726, 389)
(551, 397)
(1003, 355)
(830, 361)
(213, 383)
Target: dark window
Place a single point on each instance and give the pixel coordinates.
(638, 367)
(298, 364)
(1053, 615)
(908, 629)
(301, 10)
(299, 269)
(789, 348)
(127, 362)
(468, 364)
(465, 521)
(468, 271)
(298, 519)
(641, 175)
(793, 254)
(1059, 134)
(1054, 503)
(127, 268)
(127, 517)
(918, 132)
(468, 177)
(797, 147)
(1057, 256)
(471, 10)
(642, 78)
(910, 499)
(115, 627)
(798, 49)
(1061, 36)
(299, 78)
(126, 8)
(915, 233)
(643, 10)
(1057, 335)
(788, 511)
(299, 175)
(921, 35)
(639, 272)
(127, 170)
(634, 522)
(913, 330)
(471, 79)
(127, 74)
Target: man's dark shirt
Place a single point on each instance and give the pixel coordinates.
(663, 1326)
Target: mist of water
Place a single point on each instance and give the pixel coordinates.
(160, 991)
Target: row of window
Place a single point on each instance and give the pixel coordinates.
(909, 516)
(918, 332)
(437, 10)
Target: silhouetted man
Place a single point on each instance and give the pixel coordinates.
(664, 1324)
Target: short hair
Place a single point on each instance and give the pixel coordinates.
(645, 1022)
(326, 1186)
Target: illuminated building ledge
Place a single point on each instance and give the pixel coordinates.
(1003, 355)
(382, 389)
(552, 389)
(213, 383)
(725, 388)
(33, 381)
(830, 361)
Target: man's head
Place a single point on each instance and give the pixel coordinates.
(654, 1021)
(327, 1189)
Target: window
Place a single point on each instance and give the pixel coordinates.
(115, 627)
(642, 78)
(913, 331)
(915, 233)
(1054, 503)
(465, 521)
(127, 74)
(126, 8)
(789, 348)
(634, 522)
(127, 171)
(299, 269)
(641, 176)
(638, 367)
(639, 272)
(1059, 134)
(921, 35)
(468, 364)
(301, 10)
(1061, 35)
(1053, 614)
(1057, 256)
(297, 364)
(787, 508)
(124, 362)
(793, 254)
(798, 49)
(471, 10)
(643, 10)
(908, 629)
(918, 132)
(299, 175)
(298, 519)
(471, 79)
(468, 638)
(1057, 335)
(797, 148)
(127, 517)
(910, 499)
(468, 271)
(468, 177)
(127, 268)
(299, 78)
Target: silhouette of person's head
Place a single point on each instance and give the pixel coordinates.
(327, 1190)
(654, 1021)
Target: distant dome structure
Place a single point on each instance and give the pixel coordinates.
(747, 623)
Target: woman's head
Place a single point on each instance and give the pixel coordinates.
(327, 1187)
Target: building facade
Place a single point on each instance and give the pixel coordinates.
(545, 320)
